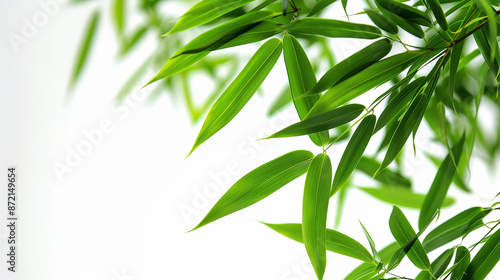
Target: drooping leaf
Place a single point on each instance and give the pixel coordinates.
(119, 15)
(441, 184)
(375, 75)
(335, 241)
(485, 260)
(205, 11)
(462, 261)
(259, 183)
(85, 45)
(485, 47)
(438, 266)
(406, 12)
(486, 8)
(315, 209)
(454, 228)
(322, 122)
(353, 152)
(301, 78)
(401, 197)
(237, 94)
(409, 26)
(382, 21)
(352, 65)
(438, 13)
(387, 177)
(333, 28)
(403, 233)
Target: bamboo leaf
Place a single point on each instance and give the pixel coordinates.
(314, 211)
(438, 13)
(404, 233)
(404, 129)
(438, 266)
(375, 75)
(283, 99)
(237, 94)
(85, 46)
(406, 12)
(456, 227)
(487, 50)
(441, 184)
(401, 197)
(285, 6)
(387, 177)
(319, 6)
(399, 102)
(333, 28)
(259, 183)
(370, 241)
(353, 152)
(119, 15)
(205, 11)
(335, 241)
(492, 26)
(352, 65)
(462, 260)
(385, 256)
(382, 21)
(411, 27)
(485, 260)
(301, 78)
(322, 122)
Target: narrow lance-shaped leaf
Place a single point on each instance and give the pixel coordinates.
(387, 177)
(85, 46)
(454, 228)
(333, 28)
(119, 15)
(486, 49)
(462, 261)
(411, 27)
(322, 122)
(353, 152)
(486, 8)
(404, 11)
(438, 13)
(382, 21)
(403, 233)
(401, 197)
(335, 241)
(441, 184)
(237, 94)
(281, 101)
(352, 65)
(259, 183)
(385, 256)
(485, 260)
(404, 129)
(370, 241)
(373, 76)
(314, 211)
(319, 6)
(438, 266)
(301, 78)
(205, 11)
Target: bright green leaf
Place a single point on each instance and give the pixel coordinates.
(333, 28)
(401, 196)
(485, 260)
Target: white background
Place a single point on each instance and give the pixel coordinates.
(119, 213)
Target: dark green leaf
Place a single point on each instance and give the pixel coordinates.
(322, 122)
(259, 183)
(406, 12)
(353, 152)
(333, 28)
(485, 260)
(462, 261)
(315, 209)
(438, 13)
(335, 241)
(382, 21)
(234, 98)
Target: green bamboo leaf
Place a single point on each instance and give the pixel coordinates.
(119, 15)
(456, 227)
(285, 6)
(385, 256)
(353, 152)
(364, 273)
(399, 102)
(335, 241)
(314, 211)
(237, 94)
(411, 27)
(456, 53)
(387, 177)
(401, 197)
(322, 122)
(85, 46)
(382, 21)
(373, 76)
(404, 129)
(301, 78)
(261, 31)
(344, 5)
(403, 233)
(205, 11)
(259, 183)
(319, 6)
(492, 26)
(370, 241)
(283, 99)
(485, 260)
(129, 43)
(406, 12)
(352, 65)
(438, 266)
(487, 50)
(438, 13)
(333, 28)
(441, 184)
(462, 260)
